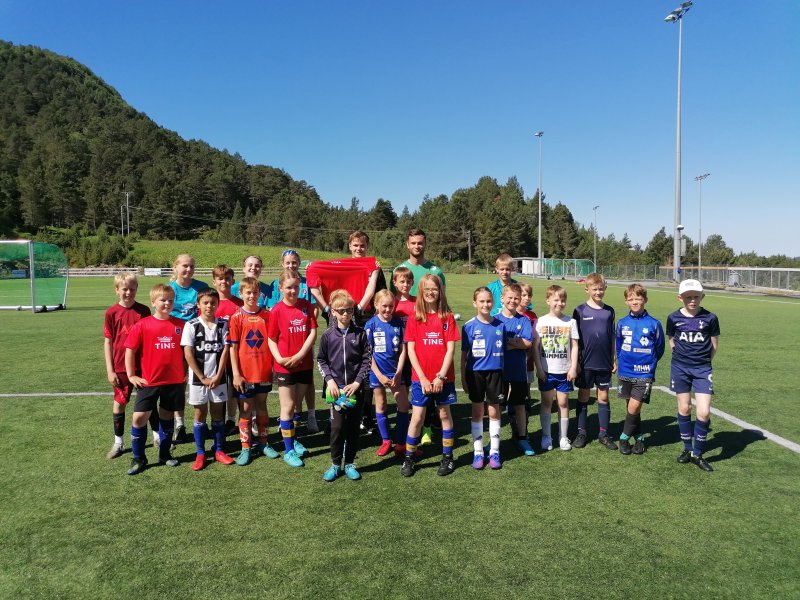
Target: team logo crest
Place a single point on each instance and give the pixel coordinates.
(254, 339)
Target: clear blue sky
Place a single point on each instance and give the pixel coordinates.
(397, 100)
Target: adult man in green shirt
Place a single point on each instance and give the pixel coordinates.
(415, 242)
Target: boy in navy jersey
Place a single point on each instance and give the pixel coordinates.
(693, 334)
(155, 343)
(640, 345)
(596, 359)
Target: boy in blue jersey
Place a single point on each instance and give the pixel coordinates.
(519, 338)
(640, 345)
(482, 352)
(504, 265)
(596, 359)
(693, 334)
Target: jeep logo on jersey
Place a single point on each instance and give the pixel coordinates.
(254, 339)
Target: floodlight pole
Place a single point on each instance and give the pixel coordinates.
(539, 135)
(699, 180)
(677, 16)
(127, 212)
(595, 236)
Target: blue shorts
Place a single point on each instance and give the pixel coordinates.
(684, 380)
(443, 398)
(556, 381)
(373, 380)
(251, 390)
(588, 380)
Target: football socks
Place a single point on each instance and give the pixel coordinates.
(581, 409)
(199, 431)
(494, 436)
(383, 424)
(166, 427)
(119, 425)
(287, 431)
(447, 442)
(138, 440)
(477, 436)
(244, 432)
(686, 429)
(604, 416)
(700, 435)
(411, 445)
(262, 421)
(401, 427)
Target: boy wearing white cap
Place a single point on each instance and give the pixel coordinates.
(693, 334)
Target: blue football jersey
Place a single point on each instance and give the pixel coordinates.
(386, 341)
(515, 360)
(692, 337)
(185, 306)
(596, 342)
(483, 344)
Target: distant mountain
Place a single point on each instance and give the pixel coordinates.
(70, 145)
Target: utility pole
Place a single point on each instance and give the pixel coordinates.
(128, 211)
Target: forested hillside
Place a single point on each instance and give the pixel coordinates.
(70, 146)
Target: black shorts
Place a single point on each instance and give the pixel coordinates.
(638, 389)
(486, 386)
(518, 392)
(301, 377)
(169, 397)
(588, 380)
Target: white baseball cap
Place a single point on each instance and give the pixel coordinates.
(689, 285)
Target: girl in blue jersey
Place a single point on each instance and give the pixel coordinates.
(482, 349)
(385, 335)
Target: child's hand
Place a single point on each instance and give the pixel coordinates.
(393, 382)
(113, 379)
(351, 389)
(572, 374)
(238, 383)
(425, 385)
(437, 385)
(138, 381)
(333, 389)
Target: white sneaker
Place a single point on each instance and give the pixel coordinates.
(564, 444)
(547, 443)
(115, 451)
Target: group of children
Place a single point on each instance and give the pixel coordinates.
(237, 346)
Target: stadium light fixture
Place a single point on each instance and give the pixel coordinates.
(676, 16)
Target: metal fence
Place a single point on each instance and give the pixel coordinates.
(731, 277)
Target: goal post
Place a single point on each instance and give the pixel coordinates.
(33, 276)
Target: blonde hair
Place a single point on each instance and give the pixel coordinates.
(556, 290)
(178, 260)
(381, 294)
(595, 279)
(504, 259)
(341, 299)
(286, 275)
(161, 289)
(526, 288)
(442, 308)
(511, 287)
(122, 278)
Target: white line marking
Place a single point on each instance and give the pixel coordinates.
(55, 394)
(743, 424)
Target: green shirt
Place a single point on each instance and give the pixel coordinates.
(418, 271)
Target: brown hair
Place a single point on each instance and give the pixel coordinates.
(527, 288)
(635, 289)
(341, 299)
(358, 235)
(223, 271)
(478, 290)
(250, 283)
(207, 292)
(286, 275)
(415, 232)
(402, 271)
(554, 290)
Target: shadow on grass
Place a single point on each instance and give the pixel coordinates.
(732, 443)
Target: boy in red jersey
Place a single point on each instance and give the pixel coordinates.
(156, 341)
(119, 320)
(251, 361)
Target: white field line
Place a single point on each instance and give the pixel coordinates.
(794, 447)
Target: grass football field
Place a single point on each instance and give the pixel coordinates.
(589, 523)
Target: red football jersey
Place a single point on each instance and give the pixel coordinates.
(289, 326)
(228, 307)
(430, 344)
(405, 309)
(247, 333)
(159, 344)
(118, 323)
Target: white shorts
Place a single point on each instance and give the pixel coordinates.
(200, 395)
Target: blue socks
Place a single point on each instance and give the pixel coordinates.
(138, 439)
(411, 445)
(199, 431)
(401, 427)
(686, 429)
(166, 428)
(383, 424)
(604, 416)
(700, 435)
(287, 431)
(218, 432)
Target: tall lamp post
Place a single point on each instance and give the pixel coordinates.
(699, 180)
(595, 235)
(539, 135)
(676, 16)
